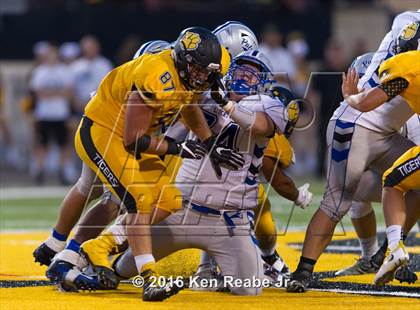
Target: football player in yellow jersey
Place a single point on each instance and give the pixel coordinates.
(88, 188)
(134, 103)
(399, 75)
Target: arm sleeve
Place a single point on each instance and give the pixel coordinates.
(277, 113)
(394, 87)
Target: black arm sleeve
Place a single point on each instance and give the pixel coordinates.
(394, 87)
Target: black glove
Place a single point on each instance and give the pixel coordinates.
(190, 149)
(218, 93)
(221, 156)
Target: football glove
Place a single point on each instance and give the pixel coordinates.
(192, 150)
(218, 93)
(221, 156)
(189, 149)
(304, 197)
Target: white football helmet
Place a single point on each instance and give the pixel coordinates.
(152, 47)
(236, 37)
(361, 63)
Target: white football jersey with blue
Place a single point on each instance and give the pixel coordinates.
(236, 189)
(411, 129)
(389, 117)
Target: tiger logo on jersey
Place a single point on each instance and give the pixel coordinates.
(190, 40)
(410, 31)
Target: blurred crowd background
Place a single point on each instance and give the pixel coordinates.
(54, 53)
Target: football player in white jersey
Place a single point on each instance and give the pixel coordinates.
(369, 190)
(217, 213)
(357, 142)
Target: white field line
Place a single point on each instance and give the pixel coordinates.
(379, 293)
(13, 193)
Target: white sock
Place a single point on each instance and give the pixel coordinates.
(71, 257)
(142, 260)
(393, 234)
(369, 246)
(55, 244)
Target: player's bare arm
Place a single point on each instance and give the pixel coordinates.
(370, 99)
(136, 141)
(281, 183)
(194, 119)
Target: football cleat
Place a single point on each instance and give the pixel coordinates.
(277, 263)
(107, 278)
(396, 258)
(299, 281)
(362, 266)
(207, 275)
(153, 292)
(405, 274)
(43, 254)
(68, 278)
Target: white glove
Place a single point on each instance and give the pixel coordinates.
(304, 197)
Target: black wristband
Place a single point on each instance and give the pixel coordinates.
(141, 145)
(173, 147)
(208, 143)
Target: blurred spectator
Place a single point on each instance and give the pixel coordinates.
(5, 137)
(299, 49)
(40, 51)
(88, 71)
(69, 51)
(52, 84)
(284, 67)
(360, 47)
(328, 86)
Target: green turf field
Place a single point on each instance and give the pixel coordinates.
(40, 210)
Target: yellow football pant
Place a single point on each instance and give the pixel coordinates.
(140, 185)
(265, 227)
(404, 174)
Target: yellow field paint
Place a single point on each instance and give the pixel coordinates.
(16, 263)
(127, 298)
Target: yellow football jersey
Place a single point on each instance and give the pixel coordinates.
(155, 76)
(279, 148)
(407, 66)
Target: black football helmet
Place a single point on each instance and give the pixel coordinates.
(197, 54)
(409, 38)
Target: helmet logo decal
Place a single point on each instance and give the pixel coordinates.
(245, 42)
(190, 40)
(409, 31)
(293, 111)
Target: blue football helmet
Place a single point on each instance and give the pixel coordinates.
(249, 73)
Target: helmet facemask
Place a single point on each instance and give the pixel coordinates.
(199, 78)
(247, 78)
